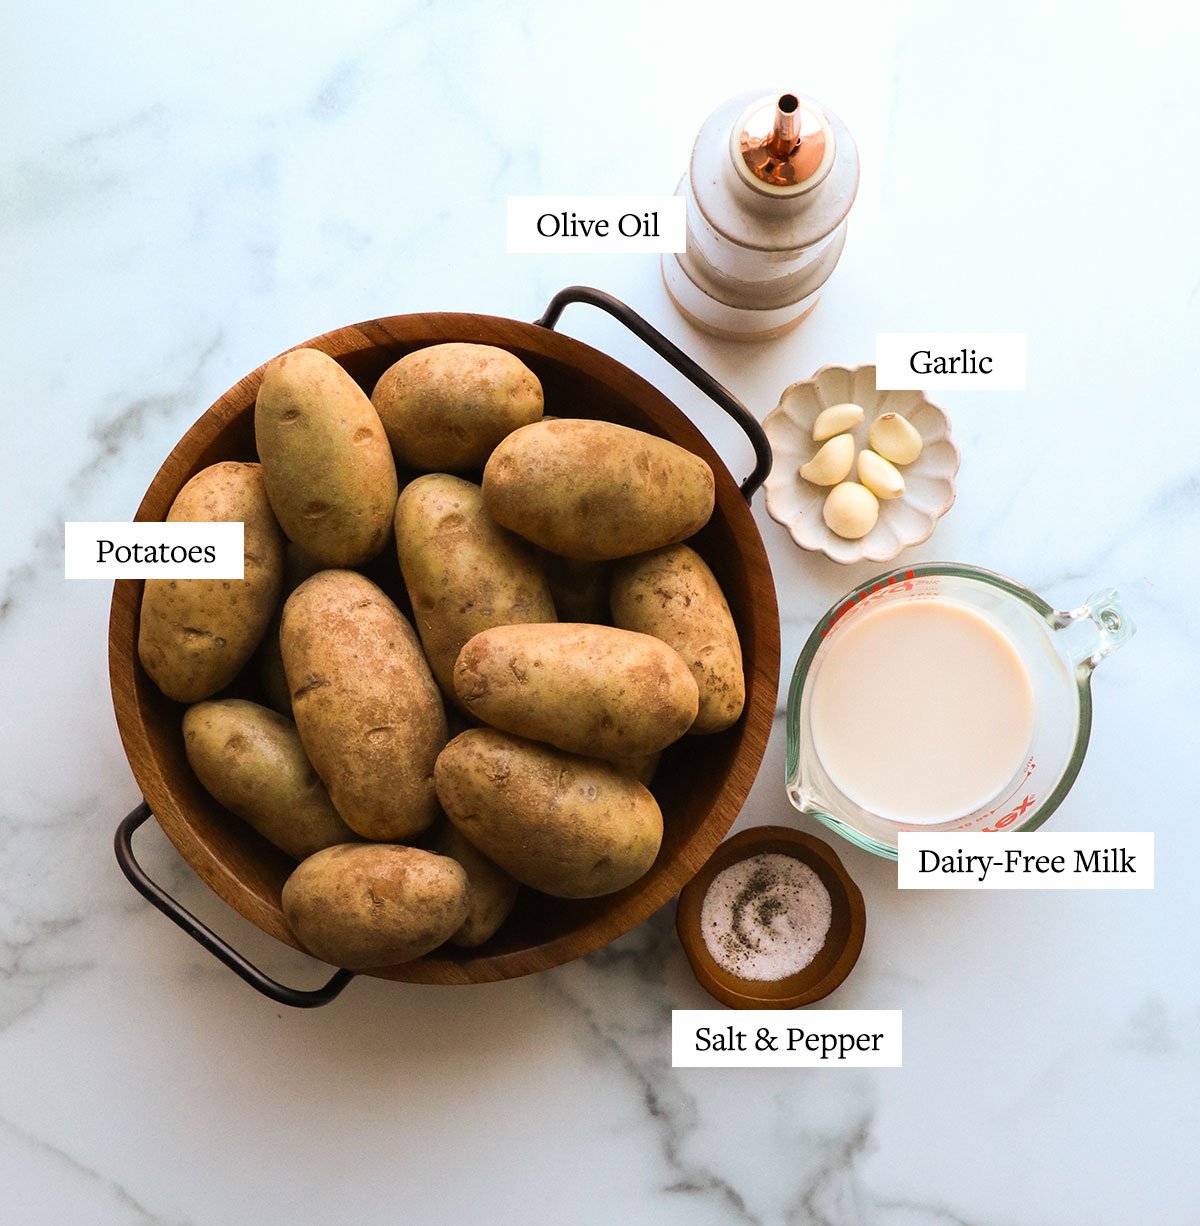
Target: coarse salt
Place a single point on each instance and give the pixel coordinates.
(765, 917)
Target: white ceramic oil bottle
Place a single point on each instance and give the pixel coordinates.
(770, 185)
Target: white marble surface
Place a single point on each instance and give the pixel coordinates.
(186, 190)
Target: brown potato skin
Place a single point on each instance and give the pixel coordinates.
(365, 703)
(591, 690)
(362, 905)
(493, 892)
(249, 759)
(195, 635)
(569, 826)
(643, 768)
(593, 490)
(445, 407)
(463, 573)
(326, 461)
(671, 594)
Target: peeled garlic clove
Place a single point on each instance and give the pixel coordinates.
(850, 510)
(832, 463)
(895, 438)
(835, 420)
(880, 477)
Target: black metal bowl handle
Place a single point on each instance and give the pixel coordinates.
(205, 936)
(671, 353)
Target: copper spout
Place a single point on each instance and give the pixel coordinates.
(784, 144)
(785, 134)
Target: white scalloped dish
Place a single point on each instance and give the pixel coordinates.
(796, 503)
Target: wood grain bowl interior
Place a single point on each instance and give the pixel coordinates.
(702, 782)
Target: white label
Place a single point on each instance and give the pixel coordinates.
(1034, 861)
(795, 1038)
(979, 361)
(596, 223)
(124, 550)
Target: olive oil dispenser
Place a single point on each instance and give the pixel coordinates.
(768, 191)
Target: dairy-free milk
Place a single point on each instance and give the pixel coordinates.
(922, 711)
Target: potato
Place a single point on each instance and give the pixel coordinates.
(297, 566)
(195, 635)
(579, 589)
(594, 490)
(643, 769)
(586, 689)
(569, 826)
(249, 759)
(492, 891)
(671, 594)
(362, 905)
(326, 460)
(446, 407)
(366, 706)
(462, 572)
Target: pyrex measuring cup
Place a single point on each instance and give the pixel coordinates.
(1060, 651)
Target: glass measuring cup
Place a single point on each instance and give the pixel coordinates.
(1060, 650)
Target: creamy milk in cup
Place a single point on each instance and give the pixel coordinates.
(944, 697)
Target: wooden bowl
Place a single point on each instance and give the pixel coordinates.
(836, 959)
(702, 781)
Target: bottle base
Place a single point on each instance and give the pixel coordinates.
(727, 322)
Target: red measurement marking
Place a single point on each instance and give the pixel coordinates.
(903, 582)
(1030, 767)
(1012, 815)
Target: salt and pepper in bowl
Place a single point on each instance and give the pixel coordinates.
(772, 921)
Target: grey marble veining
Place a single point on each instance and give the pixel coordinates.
(186, 192)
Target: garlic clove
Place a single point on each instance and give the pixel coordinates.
(832, 463)
(882, 478)
(895, 438)
(836, 419)
(850, 510)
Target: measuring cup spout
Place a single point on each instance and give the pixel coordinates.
(1108, 627)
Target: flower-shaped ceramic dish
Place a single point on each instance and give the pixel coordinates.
(928, 481)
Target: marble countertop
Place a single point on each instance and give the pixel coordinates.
(186, 191)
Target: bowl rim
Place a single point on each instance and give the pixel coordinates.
(404, 333)
(789, 523)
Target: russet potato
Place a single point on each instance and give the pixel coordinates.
(592, 690)
(463, 573)
(362, 905)
(195, 635)
(326, 461)
(569, 826)
(365, 703)
(673, 595)
(249, 758)
(445, 407)
(593, 490)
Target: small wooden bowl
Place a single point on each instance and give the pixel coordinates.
(831, 966)
(703, 780)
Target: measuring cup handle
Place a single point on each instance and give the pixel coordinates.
(1113, 627)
